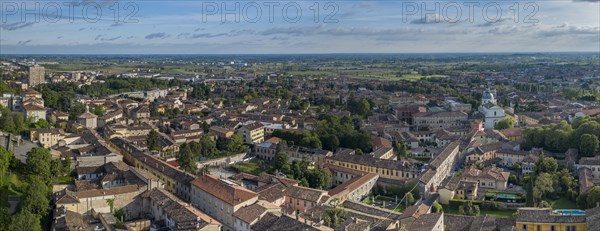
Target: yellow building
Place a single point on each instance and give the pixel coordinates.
(546, 219)
(47, 137)
(252, 133)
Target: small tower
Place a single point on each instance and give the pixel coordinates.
(88, 119)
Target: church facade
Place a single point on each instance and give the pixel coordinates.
(491, 111)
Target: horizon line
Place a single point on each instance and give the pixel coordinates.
(316, 53)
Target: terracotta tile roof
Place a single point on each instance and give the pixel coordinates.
(336, 168)
(426, 222)
(512, 132)
(250, 213)
(253, 126)
(589, 161)
(544, 215)
(228, 193)
(273, 140)
(444, 154)
(109, 191)
(273, 223)
(185, 216)
(273, 192)
(304, 193)
(268, 178)
(457, 222)
(33, 107)
(353, 183)
(65, 197)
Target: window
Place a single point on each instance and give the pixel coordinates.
(539, 228)
(552, 228)
(524, 227)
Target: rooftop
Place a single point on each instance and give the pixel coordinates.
(227, 192)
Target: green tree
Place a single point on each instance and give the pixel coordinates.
(358, 152)
(409, 198)
(311, 142)
(55, 168)
(111, 204)
(235, 144)
(35, 199)
(67, 168)
(588, 145)
(75, 110)
(401, 149)
(504, 124)
(25, 221)
(208, 146)
(582, 201)
(318, 178)
(546, 164)
(543, 185)
(205, 127)
(469, 209)
(187, 159)
(330, 142)
(593, 197)
(281, 159)
(5, 159)
(99, 110)
(41, 123)
(152, 141)
(304, 182)
(512, 179)
(38, 162)
(335, 214)
(4, 218)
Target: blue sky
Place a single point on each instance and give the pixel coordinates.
(198, 27)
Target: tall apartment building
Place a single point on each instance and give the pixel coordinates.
(36, 75)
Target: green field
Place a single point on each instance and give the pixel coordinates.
(252, 167)
(563, 203)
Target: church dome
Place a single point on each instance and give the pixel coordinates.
(487, 95)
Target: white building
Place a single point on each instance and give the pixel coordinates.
(490, 110)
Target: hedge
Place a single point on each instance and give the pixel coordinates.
(483, 205)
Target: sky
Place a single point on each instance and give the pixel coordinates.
(272, 27)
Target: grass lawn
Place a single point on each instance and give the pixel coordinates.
(563, 203)
(12, 186)
(251, 167)
(66, 180)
